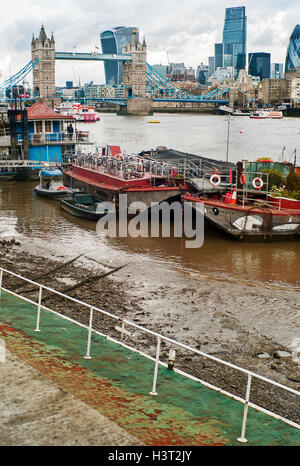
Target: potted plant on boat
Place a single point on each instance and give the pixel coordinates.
(287, 195)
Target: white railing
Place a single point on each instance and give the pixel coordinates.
(7, 163)
(250, 375)
(82, 137)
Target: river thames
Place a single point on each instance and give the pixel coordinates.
(43, 223)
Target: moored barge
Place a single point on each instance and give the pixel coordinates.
(248, 209)
(108, 176)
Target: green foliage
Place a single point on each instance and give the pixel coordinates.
(275, 177)
(290, 189)
(292, 182)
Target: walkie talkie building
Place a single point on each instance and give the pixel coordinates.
(112, 42)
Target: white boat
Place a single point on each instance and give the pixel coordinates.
(51, 184)
(259, 115)
(79, 112)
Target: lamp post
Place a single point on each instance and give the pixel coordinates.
(228, 132)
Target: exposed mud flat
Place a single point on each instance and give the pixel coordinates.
(255, 327)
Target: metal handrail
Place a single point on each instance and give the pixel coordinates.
(19, 163)
(159, 337)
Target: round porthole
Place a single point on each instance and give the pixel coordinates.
(215, 211)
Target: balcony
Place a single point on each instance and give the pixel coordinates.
(79, 137)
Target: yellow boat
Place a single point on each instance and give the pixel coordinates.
(153, 121)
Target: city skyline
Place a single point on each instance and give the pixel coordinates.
(77, 26)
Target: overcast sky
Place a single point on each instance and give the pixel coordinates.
(185, 30)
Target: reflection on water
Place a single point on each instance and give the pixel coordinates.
(24, 213)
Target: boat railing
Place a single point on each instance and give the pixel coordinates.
(4, 131)
(127, 331)
(127, 166)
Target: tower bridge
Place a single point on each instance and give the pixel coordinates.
(136, 74)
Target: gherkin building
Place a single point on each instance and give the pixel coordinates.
(293, 52)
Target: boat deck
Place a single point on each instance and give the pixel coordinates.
(100, 169)
(116, 382)
(254, 209)
(100, 178)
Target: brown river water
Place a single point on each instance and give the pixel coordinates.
(42, 222)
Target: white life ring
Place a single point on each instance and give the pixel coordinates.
(213, 177)
(257, 186)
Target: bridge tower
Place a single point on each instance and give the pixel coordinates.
(43, 48)
(134, 77)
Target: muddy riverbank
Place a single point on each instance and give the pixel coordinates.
(251, 325)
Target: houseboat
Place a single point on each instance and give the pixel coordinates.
(39, 134)
(110, 173)
(248, 209)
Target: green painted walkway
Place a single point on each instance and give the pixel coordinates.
(117, 382)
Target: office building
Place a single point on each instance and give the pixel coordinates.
(112, 42)
(202, 74)
(292, 60)
(259, 64)
(276, 70)
(234, 39)
(218, 56)
(211, 65)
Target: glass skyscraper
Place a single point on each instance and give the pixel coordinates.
(234, 38)
(218, 56)
(259, 64)
(112, 42)
(276, 70)
(292, 60)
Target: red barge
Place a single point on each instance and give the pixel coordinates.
(247, 208)
(108, 176)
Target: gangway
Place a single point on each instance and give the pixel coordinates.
(22, 163)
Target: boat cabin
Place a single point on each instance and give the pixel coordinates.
(51, 178)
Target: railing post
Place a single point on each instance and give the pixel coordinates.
(37, 329)
(242, 438)
(156, 367)
(1, 278)
(123, 328)
(87, 356)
